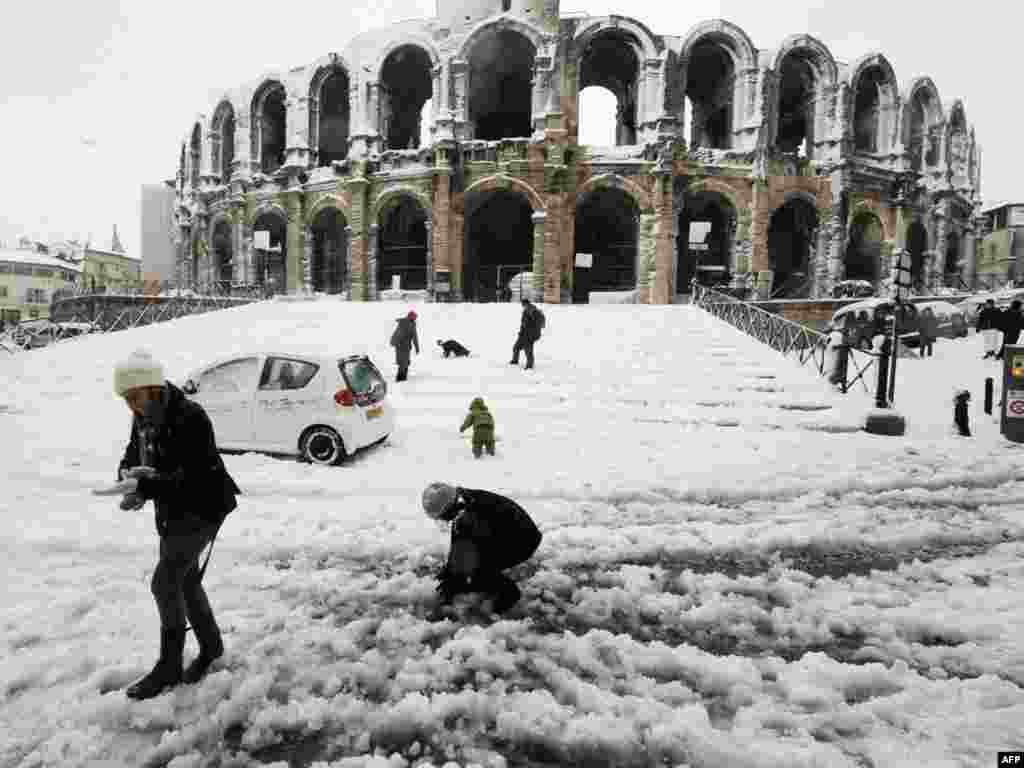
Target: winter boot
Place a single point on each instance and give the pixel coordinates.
(211, 647)
(502, 590)
(167, 671)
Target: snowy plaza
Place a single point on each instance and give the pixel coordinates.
(732, 572)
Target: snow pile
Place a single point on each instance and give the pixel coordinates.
(732, 573)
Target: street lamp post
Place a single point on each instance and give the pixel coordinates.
(884, 419)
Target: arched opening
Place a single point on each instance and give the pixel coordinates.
(501, 85)
(195, 149)
(596, 108)
(611, 62)
(917, 244)
(864, 248)
(704, 240)
(224, 141)
(405, 86)
(958, 147)
(330, 116)
(867, 110)
(607, 226)
(791, 234)
(498, 243)
(329, 270)
(402, 245)
(268, 125)
(797, 98)
(952, 260)
(270, 252)
(221, 246)
(710, 84)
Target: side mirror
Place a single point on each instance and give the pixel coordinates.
(190, 387)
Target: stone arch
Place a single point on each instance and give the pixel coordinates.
(417, 41)
(221, 254)
(327, 248)
(714, 185)
(921, 121)
(195, 148)
(727, 34)
(268, 137)
(323, 202)
(271, 269)
(223, 125)
(268, 207)
(648, 45)
(391, 194)
(917, 245)
(606, 224)
(790, 238)
(872, 207)
(503, 182)
(817, 53)
(322, 67)
(537, 38)
(872, 101)
(329, 125)
(405, 83)
(641, 199)
(612, 56)
(862, 257)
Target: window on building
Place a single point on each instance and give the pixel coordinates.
(3, 291)
(35, 296)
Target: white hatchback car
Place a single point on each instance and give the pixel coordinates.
(319, 407)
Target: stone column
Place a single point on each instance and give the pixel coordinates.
(664, 240)
(307, 260)
(440, 211)
(240, 256)
(539, 220)
(185, 257)
(969, 257)
(820, 286)
(443, 117)
(646, 253)
(297, 131)
(372, 275)
(760, 264)
(241, 166)
(348, 263)
(430, 256)
(376, 142)
(293, 268)
(552, 256)
(939, 255)
(460, 109)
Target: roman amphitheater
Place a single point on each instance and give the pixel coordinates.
(444, 151)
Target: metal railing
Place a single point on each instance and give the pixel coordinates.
(794, 341)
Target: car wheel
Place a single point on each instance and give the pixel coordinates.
(323, 446)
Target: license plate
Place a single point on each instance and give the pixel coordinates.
(373, 413)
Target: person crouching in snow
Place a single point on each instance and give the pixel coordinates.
(482, 422)
(172, 459)
(490, 533)
(452, 347)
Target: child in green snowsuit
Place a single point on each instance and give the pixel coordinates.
(482, 422)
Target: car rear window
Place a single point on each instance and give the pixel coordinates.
(363, 378)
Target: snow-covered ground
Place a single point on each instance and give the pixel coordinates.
(732, 574)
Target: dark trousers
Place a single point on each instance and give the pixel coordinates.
(177, 584)
(927, 347)
(525, 345)
(1008, 338)
(403, 372)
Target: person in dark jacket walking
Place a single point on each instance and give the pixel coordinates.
(988, 327)
(929, 331)
(452, 347)
(489, 534)
(172, 459)
(1011, 323)
(530, 326)
(403, 340)
(960, 401)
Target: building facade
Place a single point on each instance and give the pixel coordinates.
(797, 170)
(108, 271)
(1001, 253)
(28, 282)
(158, 252)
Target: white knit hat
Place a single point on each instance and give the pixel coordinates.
(139, 370)
(437, 497)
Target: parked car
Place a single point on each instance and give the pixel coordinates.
(33, 334)
(853, 289)
(319, 407)
(952, 323)
(871, 316)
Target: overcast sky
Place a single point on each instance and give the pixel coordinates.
(98, 96)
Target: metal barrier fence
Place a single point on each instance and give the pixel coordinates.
(806, 345)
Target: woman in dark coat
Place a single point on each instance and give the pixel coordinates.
(403, 340)
(172, 459)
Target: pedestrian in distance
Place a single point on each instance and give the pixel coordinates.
(531, 325)
(1011, 322)
(452, 347)
(172, 459)
(490, 533)
(988, 327)
(403, 339)
(929, 331)
(482, 422)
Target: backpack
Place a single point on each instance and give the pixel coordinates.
(539, 319)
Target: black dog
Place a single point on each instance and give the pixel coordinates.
(452, 347)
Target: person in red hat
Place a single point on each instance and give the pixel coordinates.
(403, 340)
